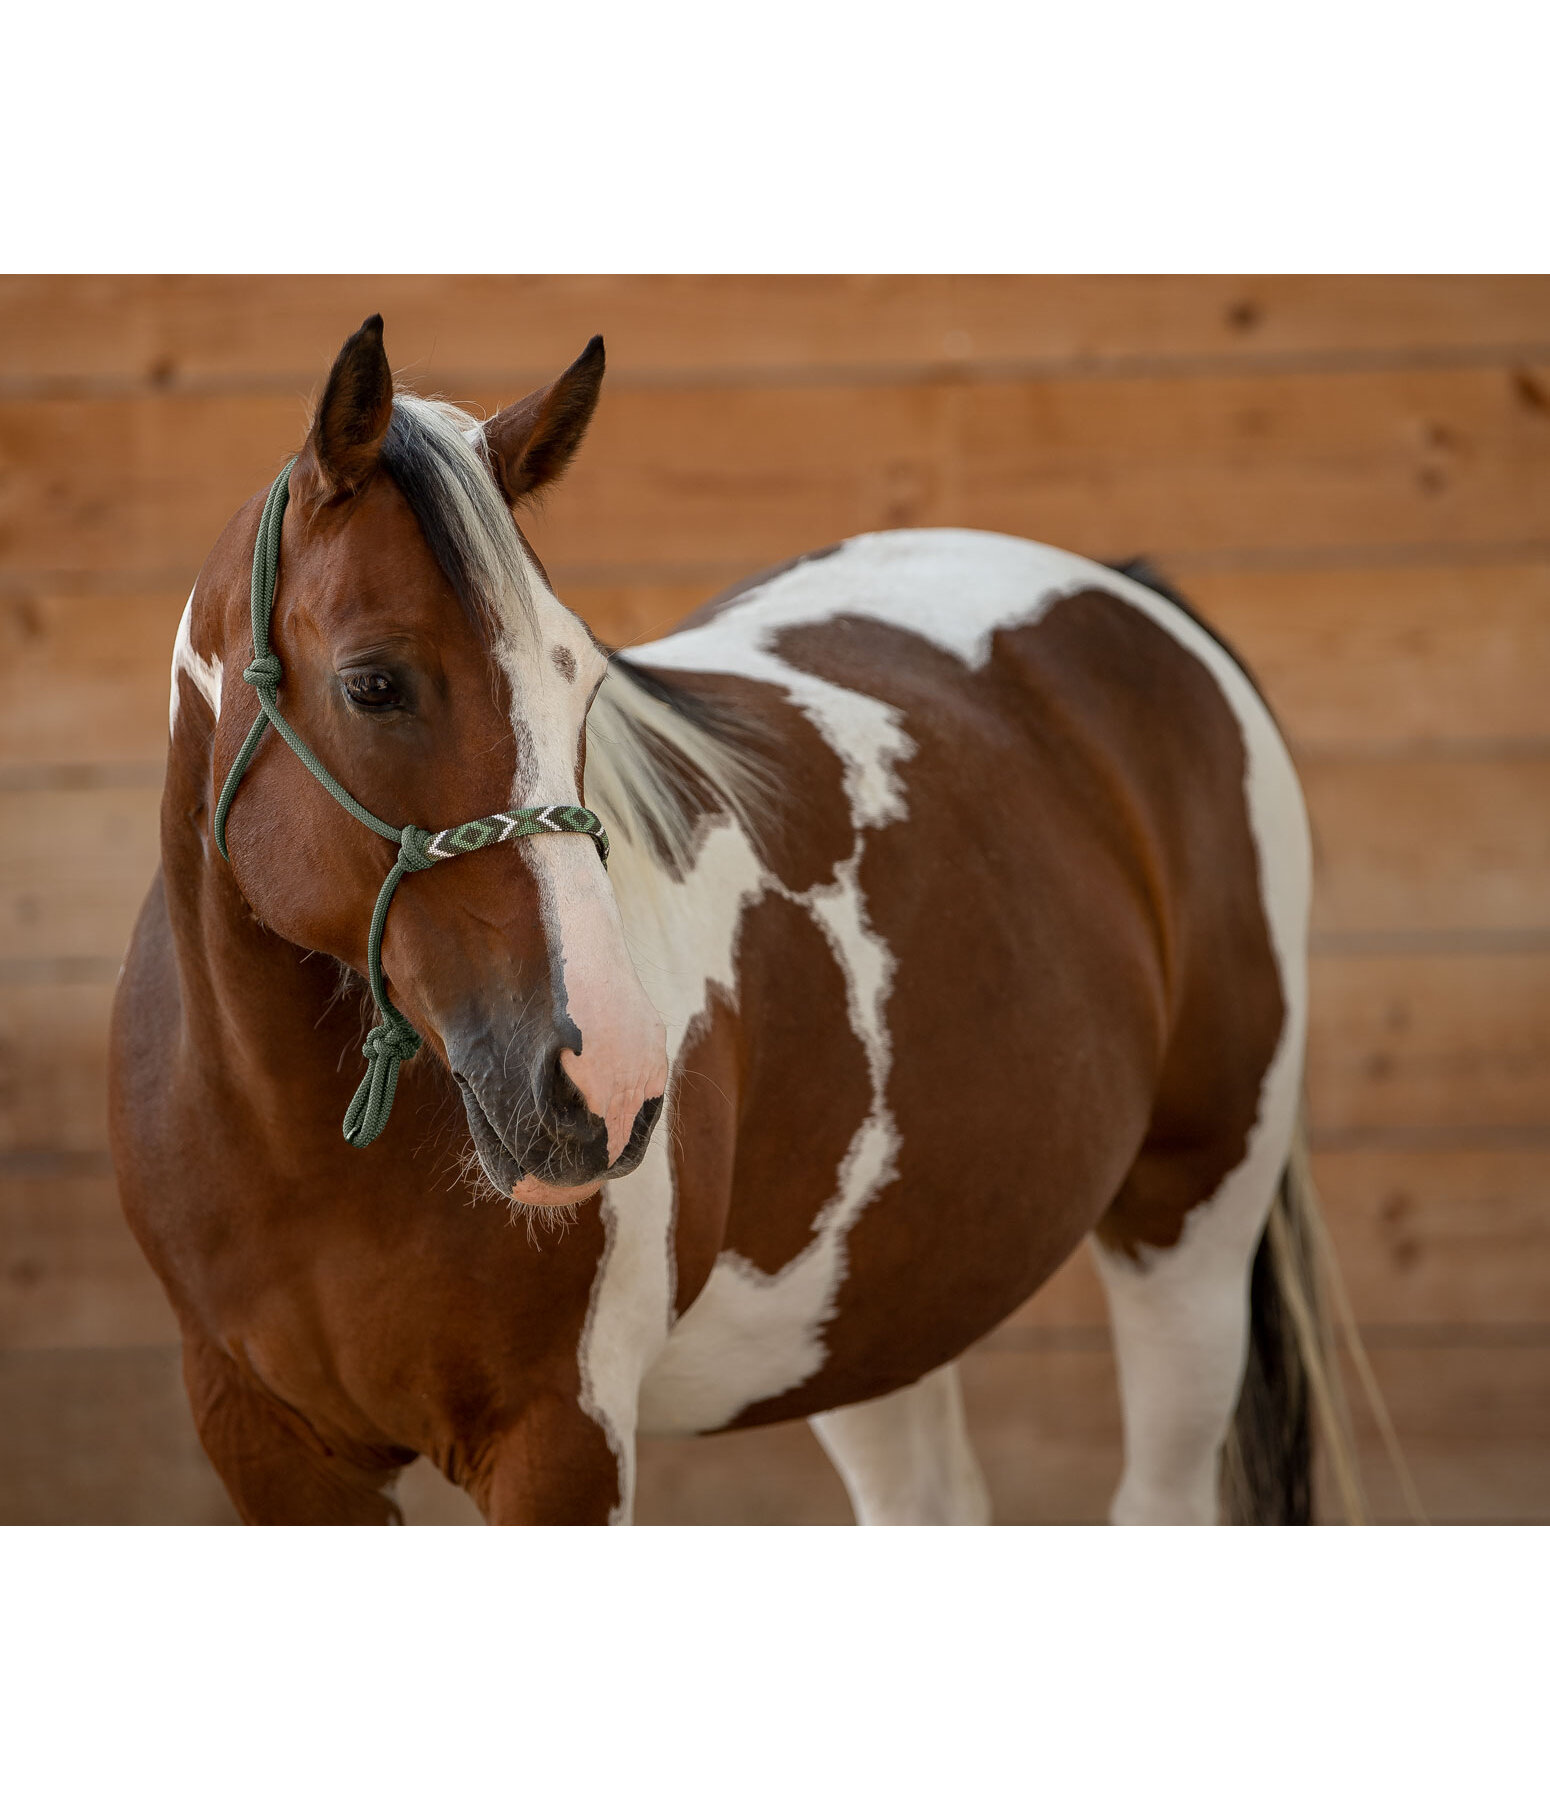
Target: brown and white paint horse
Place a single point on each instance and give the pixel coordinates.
(957, 907)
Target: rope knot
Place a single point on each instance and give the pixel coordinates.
(411, 849)
(388, 1044)
(263, 672)
(395, 1038)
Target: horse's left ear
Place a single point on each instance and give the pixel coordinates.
(342, 448)
(531, 443)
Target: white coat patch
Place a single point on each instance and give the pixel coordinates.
(749, 1336)
(203, 671)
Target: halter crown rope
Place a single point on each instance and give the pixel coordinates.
(393, 1040)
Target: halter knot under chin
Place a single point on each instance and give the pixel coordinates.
(394, 1040)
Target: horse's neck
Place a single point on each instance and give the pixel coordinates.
(250, 999)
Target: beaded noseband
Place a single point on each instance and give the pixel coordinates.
(393, 1040)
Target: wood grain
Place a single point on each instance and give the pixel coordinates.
(102, 1437)
(130, 485)
(1435, 1044)
(1247, 464)
(83, 677)
(1375, 658)
(77, 869)
(168, 331)
(71, 1275)
(53, 1068)
(729, 479)
(1441, 1237)
(1430, 844)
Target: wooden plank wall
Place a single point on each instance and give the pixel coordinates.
(1350, 477)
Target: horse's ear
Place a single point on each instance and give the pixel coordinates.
(346, 437)
(532, 442)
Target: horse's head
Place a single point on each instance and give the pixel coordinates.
(429, 666)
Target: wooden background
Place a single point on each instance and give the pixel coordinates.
(1348, 475)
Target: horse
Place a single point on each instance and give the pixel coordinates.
(954, 912)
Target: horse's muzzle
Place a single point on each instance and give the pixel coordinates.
(535, 1136)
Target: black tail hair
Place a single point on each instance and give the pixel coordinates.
(1268, 1463)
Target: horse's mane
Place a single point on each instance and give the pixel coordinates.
(436, 453)
(660, 758)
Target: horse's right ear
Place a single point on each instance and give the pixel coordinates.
(345, 442)
(531, 442)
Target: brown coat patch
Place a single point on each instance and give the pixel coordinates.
(705, 1100)
(1075, 850)
(792, 1016)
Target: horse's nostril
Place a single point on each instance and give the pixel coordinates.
(563, 1096)
(645, 1122)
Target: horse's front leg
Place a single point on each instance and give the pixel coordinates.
(554, 1466)
(275, 1466)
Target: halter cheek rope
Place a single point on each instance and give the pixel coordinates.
(393, 1040)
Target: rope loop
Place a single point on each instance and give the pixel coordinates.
(411, 849)
(263, 672)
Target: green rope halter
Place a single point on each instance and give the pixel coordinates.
(393, 1040)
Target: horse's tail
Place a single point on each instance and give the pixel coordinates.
(1293, 1381)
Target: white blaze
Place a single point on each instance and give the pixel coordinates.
(622, 1062)
(623, 1058)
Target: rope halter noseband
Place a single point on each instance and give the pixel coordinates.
(393, 1040)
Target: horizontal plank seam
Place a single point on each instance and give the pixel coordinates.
(23, 582)
(1481, 1334)
(73, 777)
(1326, 946)
(34, 1165)
(43, 970)
(1079, 1340)
(94, 775)
(59, 971)
(1227, 362)
(1327, 1139)
(1427, 750)
(39, 1160)
(1336, 944)
(36, 1162)
(1252, 559)
(1308, 753)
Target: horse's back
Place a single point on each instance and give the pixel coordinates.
(1048, 943)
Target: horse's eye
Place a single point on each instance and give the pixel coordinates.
(372, 691)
